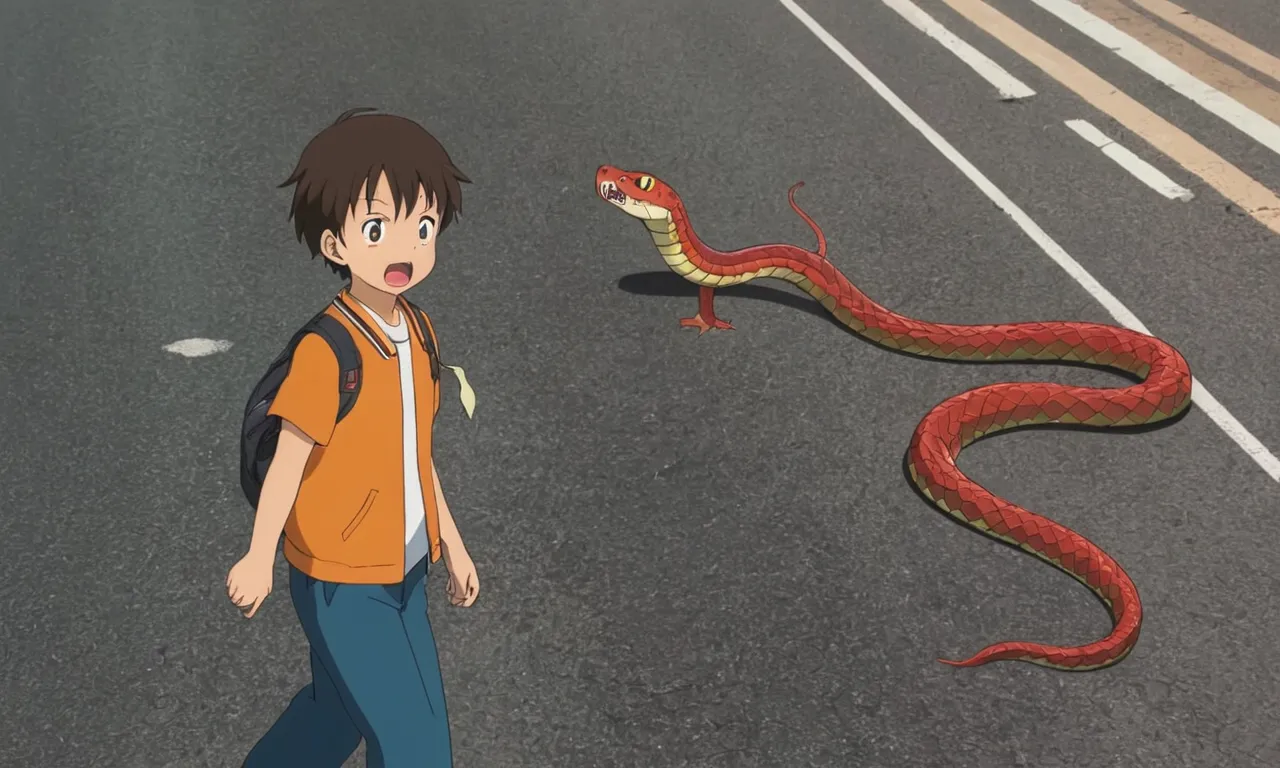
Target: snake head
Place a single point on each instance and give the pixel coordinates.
(637, 193)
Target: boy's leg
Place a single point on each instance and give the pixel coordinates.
(417, 623)
(389, 681)
(315, 729)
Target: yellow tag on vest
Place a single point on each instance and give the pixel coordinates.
(466, 394)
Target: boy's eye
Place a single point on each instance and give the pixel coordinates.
(426, 228)
(372, 230)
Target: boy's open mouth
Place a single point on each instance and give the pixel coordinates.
(398, 274)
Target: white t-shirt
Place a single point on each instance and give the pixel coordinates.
(416, 545)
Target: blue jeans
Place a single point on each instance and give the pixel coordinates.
(374, 675)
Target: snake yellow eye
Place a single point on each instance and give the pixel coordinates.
(645, 183)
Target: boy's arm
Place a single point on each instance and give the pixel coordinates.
(307, 410)
(464, 585)
(450, 538)
(280, 489)
(307, 404)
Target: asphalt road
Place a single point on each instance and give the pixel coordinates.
(694, 551)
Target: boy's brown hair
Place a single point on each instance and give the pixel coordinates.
(356, 152)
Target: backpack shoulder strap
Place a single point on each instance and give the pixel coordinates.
(466, 394)
(344, 349)
(427, 333)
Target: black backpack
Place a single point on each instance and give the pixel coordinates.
(260, 431)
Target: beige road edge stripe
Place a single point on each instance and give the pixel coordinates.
(1258, 201)
(1243, 52)
(1229, 80)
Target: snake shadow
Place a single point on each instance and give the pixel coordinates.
(667, 283)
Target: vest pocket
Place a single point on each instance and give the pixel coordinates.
(360, 516)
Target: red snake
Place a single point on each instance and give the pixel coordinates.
(1164, 392)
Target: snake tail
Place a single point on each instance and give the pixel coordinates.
(822, 239)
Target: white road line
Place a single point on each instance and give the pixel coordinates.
(198, 347)
(1145, 172)
(1199, 395)
(1259, 128)
(1009, 87)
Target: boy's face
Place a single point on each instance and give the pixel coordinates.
(388, 253)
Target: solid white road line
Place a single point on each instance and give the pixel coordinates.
(1145, 172)
(1200, 396)
(198, 347)
(1259, 128)
(1009, 87)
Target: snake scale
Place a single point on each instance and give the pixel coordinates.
(1163, 392)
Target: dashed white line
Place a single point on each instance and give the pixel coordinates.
(1200, 396)
(1009, 87)
(198, 347)
(1252, 124)
(1145, 172)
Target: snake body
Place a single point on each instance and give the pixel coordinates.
(1164, 391)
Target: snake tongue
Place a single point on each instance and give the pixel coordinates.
(610, 192)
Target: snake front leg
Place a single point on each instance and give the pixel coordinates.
(706, 318)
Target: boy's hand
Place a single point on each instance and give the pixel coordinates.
(464, 585)
(249, 581)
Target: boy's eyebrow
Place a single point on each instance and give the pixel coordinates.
(370, 201)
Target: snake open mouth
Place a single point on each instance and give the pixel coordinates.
(610, 192)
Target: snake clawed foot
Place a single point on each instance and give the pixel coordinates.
(703, 326)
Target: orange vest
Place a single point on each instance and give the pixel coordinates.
(347, 524)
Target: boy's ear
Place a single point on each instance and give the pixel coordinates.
(329, 248)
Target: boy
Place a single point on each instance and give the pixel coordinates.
(358, 498)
